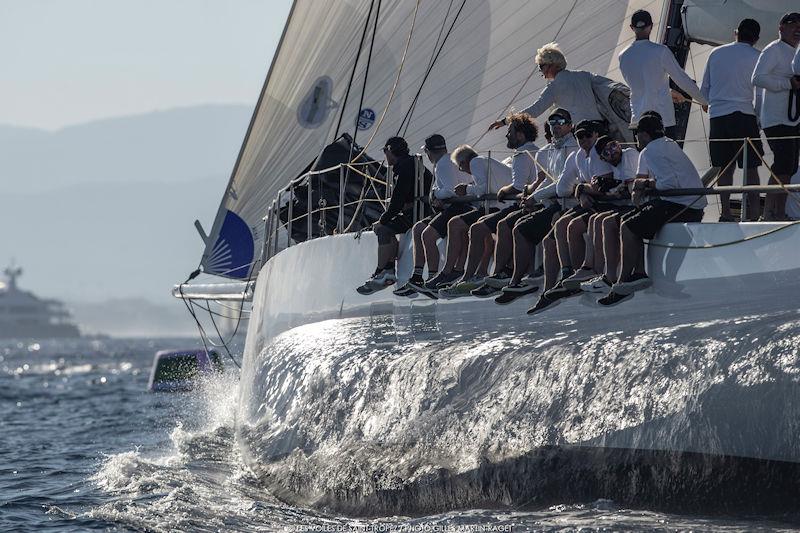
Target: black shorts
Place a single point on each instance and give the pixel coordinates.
(736, 125)
(536, 225)
(399, 223)
(494, 218)
(785, 151)
(647, 220)
(439, 220)
(471, 217)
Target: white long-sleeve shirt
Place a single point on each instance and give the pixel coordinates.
(570, 90)
(523, 166)
(796, 62)
(663, 161)
(772, 75)
(727, 83)
(445, 178)
(489, 175)
(647, 68)
(558, 152)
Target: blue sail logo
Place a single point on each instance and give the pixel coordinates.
(232, 253)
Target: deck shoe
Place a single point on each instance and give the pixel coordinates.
(498, 281)
(442, 279)
(510, 293)
(460, 288)
(575, 280)
(543, 303)
(614, 298)
(485, 291)
(599, 284)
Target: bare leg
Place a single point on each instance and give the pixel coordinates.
(429, 238)
(575, 241)
(562, 244)
(387, 253)
(523, 254)
(488, 246)
(589, 256)
(775, 205)
(419, 250)
(504, 249)
(611, 246)
(753, 199)
(597, 242)
(456, 237)
(551, 263)
(632, 253)
(477, 237)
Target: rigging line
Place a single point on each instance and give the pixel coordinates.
(353, 72)
(533, 71)
(364, 85)
(224, 344)
(432, 58)
(396, 83)
(407, 116)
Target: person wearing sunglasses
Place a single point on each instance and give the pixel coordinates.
(397, 219)
(600, 265)
(566, 89)
(662, 166)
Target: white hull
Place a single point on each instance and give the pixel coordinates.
(694, 379)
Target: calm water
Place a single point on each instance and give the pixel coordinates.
(84, 447)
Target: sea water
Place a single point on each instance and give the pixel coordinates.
(84, 447)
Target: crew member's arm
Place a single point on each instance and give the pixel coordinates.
(796, 62)
(679, 76)
(546, 99)
(403, 189)
(764, 76)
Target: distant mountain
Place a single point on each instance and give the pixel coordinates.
(172, 146)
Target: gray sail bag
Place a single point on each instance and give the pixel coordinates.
(614, 104)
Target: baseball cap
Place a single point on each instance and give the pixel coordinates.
(749, 26)
(650, 123)
(589, 126)
(641, 19)
(601, 143)
(396, 145)
(434, 142)
(790, 18)
(561, 112)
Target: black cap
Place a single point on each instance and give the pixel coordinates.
(561, 112)
(396, 145)
(790, 18)
(641, 19)
(650, 123)
(590, 126)
(601, 143)
(435, 142)
(750, 27)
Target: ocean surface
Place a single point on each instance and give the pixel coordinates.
(84, 447)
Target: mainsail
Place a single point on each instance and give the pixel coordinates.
(481, 53)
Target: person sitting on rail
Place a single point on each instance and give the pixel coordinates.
(780, 117)
(521, 134)
(531, 228)
(566, 89)
(662, 166)
(600, 265)
(397, 219)
(558, 255)
(730, 92)
(647, 68)
(426, 232)
(489, 175)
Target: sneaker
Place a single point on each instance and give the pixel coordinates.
(510, 293)
(559, 291)
(614, 298)
(637, 282)
(575, 280)
(405, 291)
(485, 291)
(442, 280)
(498, 281)
(378, 281)
(460, 288)
(421, 287)
(599, 284)
(543, 303)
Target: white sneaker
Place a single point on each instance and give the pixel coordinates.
(385, 278)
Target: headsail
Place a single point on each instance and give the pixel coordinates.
(483, 52)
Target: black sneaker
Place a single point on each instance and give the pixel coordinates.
(498, 281)
(543, 303)
(512, 292)
(614, 298)
(559, 291)
(485, 291)
(442, 280)
(405, 291)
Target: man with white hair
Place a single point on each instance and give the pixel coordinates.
(566, 89)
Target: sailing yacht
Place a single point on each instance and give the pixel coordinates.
(683, 396)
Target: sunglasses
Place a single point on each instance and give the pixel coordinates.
(609, 149)
(557, 121)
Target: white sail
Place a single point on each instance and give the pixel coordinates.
(481, 70)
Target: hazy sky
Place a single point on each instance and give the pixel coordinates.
(65, 62)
